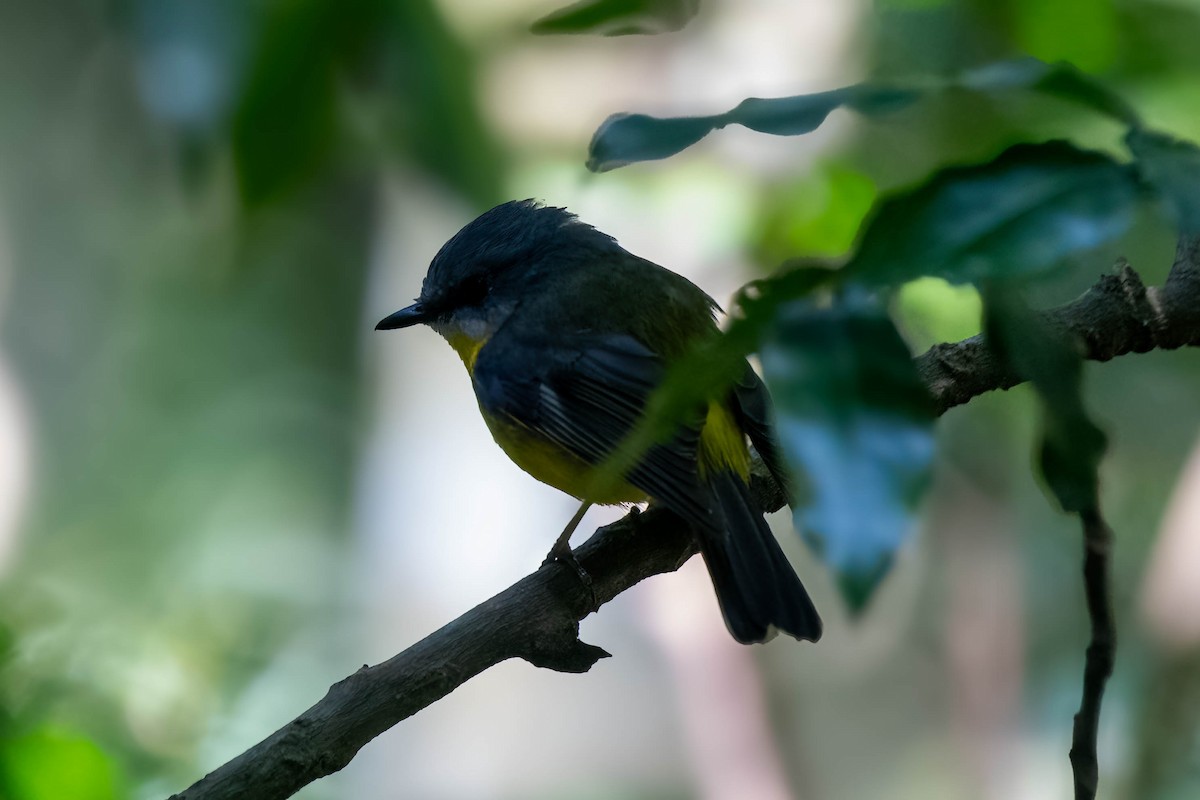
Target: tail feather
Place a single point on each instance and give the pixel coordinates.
(757, 588)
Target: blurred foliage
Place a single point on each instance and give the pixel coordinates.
(619, 17)
(1173, 167)
(314, 56)
(191, 217)
(818, 215)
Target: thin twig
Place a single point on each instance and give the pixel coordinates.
(1101, 652)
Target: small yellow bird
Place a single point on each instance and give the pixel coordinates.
(565, 336)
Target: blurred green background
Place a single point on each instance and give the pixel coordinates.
(220, 491)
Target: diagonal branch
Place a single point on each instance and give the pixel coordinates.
(537, 619)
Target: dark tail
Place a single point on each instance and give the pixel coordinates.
(758, 591)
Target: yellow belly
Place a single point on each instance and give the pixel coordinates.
(553, 465)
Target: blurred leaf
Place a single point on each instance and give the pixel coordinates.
(627, 138)
(425, 81)
(409, 71)
(1061, 79)
(284, 125)
(1021, 213)
(856, 422)
(1172, 167)
(52, 764)
(619, 17)
(1072, 445)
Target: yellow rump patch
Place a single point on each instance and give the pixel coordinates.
(723, 444)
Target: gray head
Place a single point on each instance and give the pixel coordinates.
(500, 252)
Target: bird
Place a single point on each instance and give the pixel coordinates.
(565, 336)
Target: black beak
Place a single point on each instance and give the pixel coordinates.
(404, 318)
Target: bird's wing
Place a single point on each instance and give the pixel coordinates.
(585, 394)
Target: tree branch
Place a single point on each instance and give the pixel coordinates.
(1118, 315)
(537, 619)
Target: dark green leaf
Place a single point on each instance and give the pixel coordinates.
(1072, 445)
(619, 17)
(856, 423)
(1019, 214)
(627, 138)
(1172, 167)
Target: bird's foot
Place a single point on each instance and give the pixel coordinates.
(561, 553)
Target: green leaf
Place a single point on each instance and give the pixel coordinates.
(627, 138)
(1020, 214)
(619, 17)
(856, 422)
(1072, 444)
(1172, 167)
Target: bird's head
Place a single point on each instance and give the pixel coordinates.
(478, 277)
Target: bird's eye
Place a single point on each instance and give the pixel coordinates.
(471, 291)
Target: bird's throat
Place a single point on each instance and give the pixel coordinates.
(467, 348)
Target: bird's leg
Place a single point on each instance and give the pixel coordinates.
(561, 551)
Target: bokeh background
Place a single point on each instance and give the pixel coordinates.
(221, 491)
